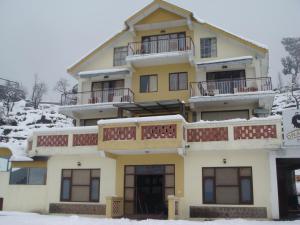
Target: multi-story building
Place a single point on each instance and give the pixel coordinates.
(171, 119)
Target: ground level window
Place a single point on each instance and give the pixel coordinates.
(227, 185)
(29, 176)
(80, 185)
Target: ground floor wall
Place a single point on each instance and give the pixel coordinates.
(194, 162)
(188, 182)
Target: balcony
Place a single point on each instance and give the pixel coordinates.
(110, 95)
(159, 52)
(232, 89)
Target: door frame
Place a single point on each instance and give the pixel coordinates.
(135, 192)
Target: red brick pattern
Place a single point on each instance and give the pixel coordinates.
(52, 140)
(207, 134)
(159, 131)
(85, 139)
(255, 132)
(119, 133)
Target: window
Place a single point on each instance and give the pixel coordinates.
(120, 54)
(208, 47)
(148, 83)
(4, 164)
(29, 176)
(80, 185)
(178, 81)
(227, 185)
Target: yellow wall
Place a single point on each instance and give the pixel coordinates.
(139, 144)
(159, 159)
(160, 15)
(31, 164)
(5, 152)
(163, 92)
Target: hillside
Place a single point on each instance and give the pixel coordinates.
(15, 128)
(284, 101)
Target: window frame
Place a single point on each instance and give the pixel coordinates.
(27, 175)
(8, 164)
(118, 61)
(240, 202)
(79, 185)
(178, 74)
(211, 55)
(149, 75)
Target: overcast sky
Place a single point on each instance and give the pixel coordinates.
(46, 37)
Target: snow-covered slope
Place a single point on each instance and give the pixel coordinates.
(22, 120)
(284, 101)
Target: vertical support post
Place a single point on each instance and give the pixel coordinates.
(182, 110)
(120, 113)
(108, 211)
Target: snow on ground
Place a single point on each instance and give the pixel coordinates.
(12, 218)
(284, 101)
(22, 120)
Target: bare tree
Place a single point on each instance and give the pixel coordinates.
(39, 89)
(291, 63)
(11, 94)
(62, 86)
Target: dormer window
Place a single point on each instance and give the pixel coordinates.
(120, 54)
(208, 47)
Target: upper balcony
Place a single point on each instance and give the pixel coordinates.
(160, 52)
(109, 95)
(212, 91)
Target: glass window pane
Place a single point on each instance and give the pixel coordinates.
(3, 164)
(183, 81)
(144, 85)
(246, 190)
(129, 181)
(209, 190)
(170, 169)
(129, 169)
(66, 189)
(153, 83)
(227, 195)
(245, 172)
(81, 177)
(129, 194)
(96, 173)
(173, 81)
(120, 54)
(37, 176)
(80, 193)
(95, 190)
(169, 191)
(169, 180)
(67, 173)
(18, 175)
(208, 172)
(227, 176)
(129, 208)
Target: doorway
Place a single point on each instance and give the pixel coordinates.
(1, 204)
(146, 190)
(288, 187)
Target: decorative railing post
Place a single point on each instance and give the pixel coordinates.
(114, 207)
(173, 207)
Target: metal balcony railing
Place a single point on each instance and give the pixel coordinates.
(161, 46)
(99, 96)
(230, 86)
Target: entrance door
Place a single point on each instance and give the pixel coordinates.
(1, 204)
(149, 194)
(288, 187)
(146, 190)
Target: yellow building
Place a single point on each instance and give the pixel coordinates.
(164, 127)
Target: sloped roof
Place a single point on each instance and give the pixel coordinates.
(147, 10)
